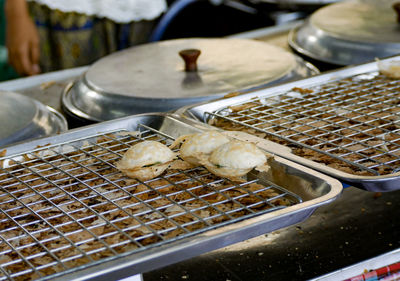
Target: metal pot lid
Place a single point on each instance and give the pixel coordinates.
(349, 32)
(23, 118)
(152, 77)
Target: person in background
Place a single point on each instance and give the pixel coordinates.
(48, 35)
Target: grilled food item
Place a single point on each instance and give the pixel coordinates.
(390, 69)
(220, 154)
(196, 146)
(146, 160)
(235, 159)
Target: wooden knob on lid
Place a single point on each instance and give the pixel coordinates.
(190, 57)
(396, 7)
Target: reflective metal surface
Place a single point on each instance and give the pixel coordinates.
(349, 32)
(151, 77)
(23, 118)
(314, 188)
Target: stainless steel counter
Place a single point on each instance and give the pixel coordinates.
(358, 226)
(47, 88)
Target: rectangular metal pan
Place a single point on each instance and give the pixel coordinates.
(66, 212)
(350, 118)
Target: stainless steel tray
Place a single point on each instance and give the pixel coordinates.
(68, 177)
(349, 116)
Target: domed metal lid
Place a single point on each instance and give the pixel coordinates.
(23, 118)
(154, 77)
(349, 32)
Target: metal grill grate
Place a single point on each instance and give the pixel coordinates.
(351, 125)
(66, 205)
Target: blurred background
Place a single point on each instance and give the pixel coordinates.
(204, 18)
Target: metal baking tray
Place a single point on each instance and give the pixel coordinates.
(349, 117)
(66, 213)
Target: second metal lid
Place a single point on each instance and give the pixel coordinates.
(350, 32)
(152, 77)
(23, 118)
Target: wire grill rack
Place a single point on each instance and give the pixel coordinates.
(66, 205)
(351, 124)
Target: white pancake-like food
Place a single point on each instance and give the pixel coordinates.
(390, 69)
(235, 159)
(146, 160)
(197, 146)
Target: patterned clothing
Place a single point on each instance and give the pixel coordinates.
(71, 39)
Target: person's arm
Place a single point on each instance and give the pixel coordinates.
(22, 38)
